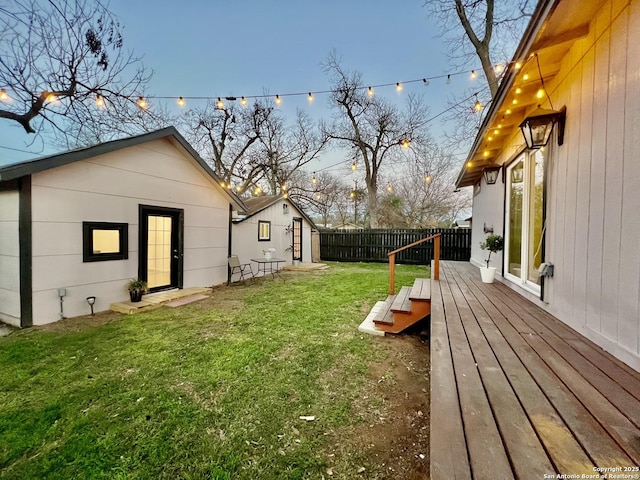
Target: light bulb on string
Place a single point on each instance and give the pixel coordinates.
(398, 87)
(53, 98)
(310, 97)
(389, 188)
(142, 103)
(220, 104)
(370, 91)
(425, 82)
(518, 65)
(540, 93)
(477, 106)
(181, 102)
(354, 166)
(4, 96)
(427, 178)
(278, 100)
(448, 79)
(474, 75)
(99, 101)
(314, 179)
(405, 143)
(243, 101)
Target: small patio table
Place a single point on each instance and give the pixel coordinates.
(269, 265)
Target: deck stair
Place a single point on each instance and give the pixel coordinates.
(408, 306)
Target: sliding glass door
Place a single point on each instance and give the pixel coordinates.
(524, 219)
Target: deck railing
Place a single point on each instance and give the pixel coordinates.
(435, 274)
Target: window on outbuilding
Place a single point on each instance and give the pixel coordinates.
(264, 231)
(102, 241)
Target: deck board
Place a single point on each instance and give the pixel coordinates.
(550, 400)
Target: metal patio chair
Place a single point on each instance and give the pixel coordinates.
(241, 268)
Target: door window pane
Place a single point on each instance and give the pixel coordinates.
(516, 198)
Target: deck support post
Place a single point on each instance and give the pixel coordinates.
(436, 258)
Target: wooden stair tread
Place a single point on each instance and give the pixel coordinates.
(421, 290)
(385, 315)
(402, 303)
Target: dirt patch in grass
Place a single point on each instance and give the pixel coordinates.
(393, 441)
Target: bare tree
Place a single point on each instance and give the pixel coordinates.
(372, 126)
(284, 149)
(251, 146)
(60, 57)
(226, 137)
(489, 30)
(427, 190)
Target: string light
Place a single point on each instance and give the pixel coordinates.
(278, 100)
(518, 65)
(283, 187)
(525, 77)
(310, 97)
(314, 179)
(354, 166)
(518, 90)
(4, 96)
(389, 188)
(448, 79)
(477, 106)
(398, 87)
(427, 178)
(474, 75)
(508, 111)
(425, 82)
(181, 102)
(243, 102)
(99, 101)
(405, 143)
(540, 93)
(499, 68)
(52, 98)
(370, 91)
(142, 103)
(220, 104)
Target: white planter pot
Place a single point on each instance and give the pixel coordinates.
(488, 274)
(268, 255)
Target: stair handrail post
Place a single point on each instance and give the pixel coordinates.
(392, 273)
(436, 257)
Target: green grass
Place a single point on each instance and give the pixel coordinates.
(209, 390)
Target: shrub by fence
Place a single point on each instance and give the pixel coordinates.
(374, 245)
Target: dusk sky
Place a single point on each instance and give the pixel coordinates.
(247, 47)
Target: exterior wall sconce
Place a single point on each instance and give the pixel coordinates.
(537, 127)
(91, 301)
(491, 175)
(285, 208)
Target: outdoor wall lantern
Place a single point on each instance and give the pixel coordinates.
(491, 175)
(91, 301)
(537, 127)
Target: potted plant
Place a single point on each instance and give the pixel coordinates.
(493, 243)
(137, 287)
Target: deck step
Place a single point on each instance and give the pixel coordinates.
(421, 290)
(384, 314)
(402, 303)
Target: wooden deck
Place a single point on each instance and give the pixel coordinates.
(517, 394)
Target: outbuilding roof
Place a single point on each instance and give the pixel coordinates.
(29, 167)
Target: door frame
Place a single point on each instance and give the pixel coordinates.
(526, 157)
(293, 250)
(177, 244)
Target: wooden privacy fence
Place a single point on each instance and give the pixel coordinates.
(375, 245)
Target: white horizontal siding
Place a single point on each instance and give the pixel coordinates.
(9, 258)
(110, 188)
